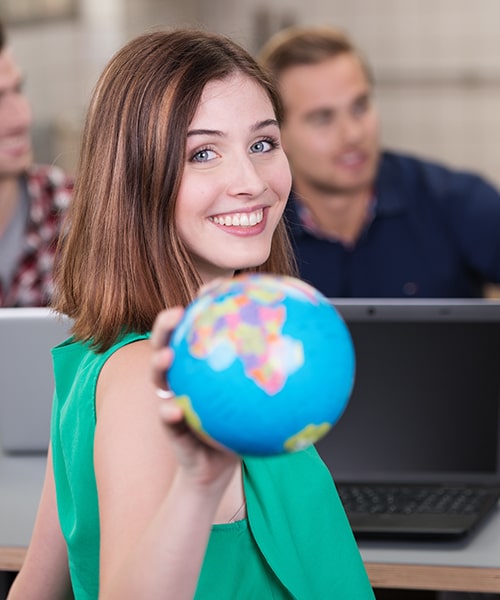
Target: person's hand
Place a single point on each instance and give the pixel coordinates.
(206, 462)
(164, 324)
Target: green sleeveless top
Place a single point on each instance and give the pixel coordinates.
(295, 542)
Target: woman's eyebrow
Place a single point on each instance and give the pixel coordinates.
(254, 127)
(265, 123)
(204, 132)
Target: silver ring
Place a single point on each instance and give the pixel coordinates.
(164, 394)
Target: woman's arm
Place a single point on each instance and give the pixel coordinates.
(160, 488)
(44, 574)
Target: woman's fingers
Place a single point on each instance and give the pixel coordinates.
(164, 324)
(160, 363)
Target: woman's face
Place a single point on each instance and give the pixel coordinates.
(236, 179)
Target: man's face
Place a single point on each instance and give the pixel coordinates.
(15, 120)
(331, 128)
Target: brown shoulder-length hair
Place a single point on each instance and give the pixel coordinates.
(121, 260)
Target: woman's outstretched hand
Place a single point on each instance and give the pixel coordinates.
(206, 462)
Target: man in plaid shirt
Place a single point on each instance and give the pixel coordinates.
(33, 199)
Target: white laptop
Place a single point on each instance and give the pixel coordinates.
(26, 379)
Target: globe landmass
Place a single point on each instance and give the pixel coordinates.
(263, 364)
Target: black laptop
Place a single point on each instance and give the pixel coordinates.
(416, 454)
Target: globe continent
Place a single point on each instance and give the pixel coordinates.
(263, 364)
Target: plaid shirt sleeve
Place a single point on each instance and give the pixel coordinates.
(50, 191)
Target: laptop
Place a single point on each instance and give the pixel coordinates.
(26, 378)
(416, 454)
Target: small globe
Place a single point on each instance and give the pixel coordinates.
(263, 364)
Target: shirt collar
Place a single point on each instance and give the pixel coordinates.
(303, 220)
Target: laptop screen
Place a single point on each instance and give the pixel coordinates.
(27, 385)
(425, 403)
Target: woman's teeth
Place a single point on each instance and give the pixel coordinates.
(239, 219)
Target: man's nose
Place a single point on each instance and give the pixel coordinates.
(15, 112)
(350, 128)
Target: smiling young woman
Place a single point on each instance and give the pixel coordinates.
(182, 179)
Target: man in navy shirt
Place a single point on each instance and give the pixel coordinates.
(364, 222)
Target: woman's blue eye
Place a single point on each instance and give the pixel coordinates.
(203, 155)
(263, 146)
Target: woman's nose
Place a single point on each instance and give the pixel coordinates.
(246, 178)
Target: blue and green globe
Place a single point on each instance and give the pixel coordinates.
(263, 364)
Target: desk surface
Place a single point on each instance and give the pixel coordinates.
(471, 565)
(468, 565)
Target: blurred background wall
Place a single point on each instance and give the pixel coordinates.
(436, 62)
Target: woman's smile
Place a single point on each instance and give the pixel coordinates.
(247, 219)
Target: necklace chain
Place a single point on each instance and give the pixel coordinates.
(233, 518)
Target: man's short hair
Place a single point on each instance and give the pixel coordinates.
(307, 45)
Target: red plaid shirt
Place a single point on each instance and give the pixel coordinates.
(50, 191)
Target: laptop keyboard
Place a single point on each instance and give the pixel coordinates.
(375, 499)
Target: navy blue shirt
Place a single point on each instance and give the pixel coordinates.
(435, 233)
